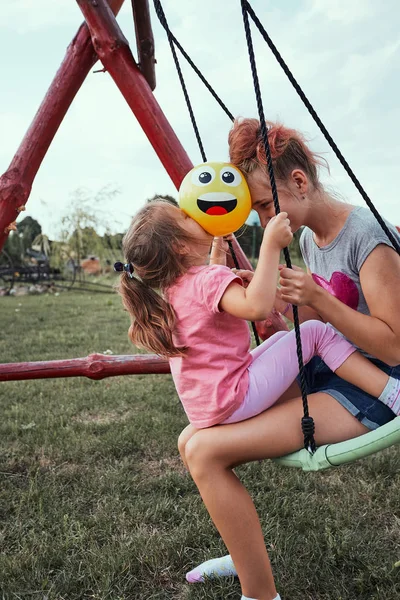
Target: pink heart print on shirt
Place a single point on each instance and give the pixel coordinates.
(340, 286)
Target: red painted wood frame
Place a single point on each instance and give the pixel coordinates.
(100, 37)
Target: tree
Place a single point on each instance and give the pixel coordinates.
(30, 226)
(113, 241)
(86, 241)
(250, 238)
(13, 247)
(42, 244)
(30, 229)
(79, 237)
(18, 242)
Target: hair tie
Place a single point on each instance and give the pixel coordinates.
(128, 267)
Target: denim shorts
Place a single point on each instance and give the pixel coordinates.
(368, 410)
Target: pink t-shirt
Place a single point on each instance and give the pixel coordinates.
(212, 378)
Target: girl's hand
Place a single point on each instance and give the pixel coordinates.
(219, 249)
(297, 287)
(245, 276)
(221, 243)
(278, 232)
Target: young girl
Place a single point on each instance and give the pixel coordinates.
(196, 315)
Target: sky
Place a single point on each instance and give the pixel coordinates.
(345, 55)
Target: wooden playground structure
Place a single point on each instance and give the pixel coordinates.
(99, 37)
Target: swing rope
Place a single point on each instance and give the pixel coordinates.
(307, 422)
(306, 102)
(236, 263)
(172, 40)
(320, 124)
(164, 23)
(161, 16)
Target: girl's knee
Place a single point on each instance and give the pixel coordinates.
(193, 454)
(317, 330)
(313, 325)
(200, 455)
(183, 439)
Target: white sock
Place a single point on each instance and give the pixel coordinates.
(216, 567)
(246, 598)
(391, 395)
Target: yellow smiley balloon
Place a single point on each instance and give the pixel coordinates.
(216, 195)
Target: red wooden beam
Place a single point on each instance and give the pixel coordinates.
(16, 183)
(113, 50)
(116, 56)
(144, 41)
(95, 366)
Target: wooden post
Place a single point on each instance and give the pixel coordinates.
(16, 183)
(95, 366)
(144, 40)
(115, 54)
(113, 50)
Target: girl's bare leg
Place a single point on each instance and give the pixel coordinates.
(361, 372)
(183, 439)
(212, 453)
(292, 392)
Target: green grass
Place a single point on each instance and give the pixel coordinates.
(95, 504)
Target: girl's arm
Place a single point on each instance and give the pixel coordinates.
(377, 333)
(305, 313)
(256, 301)
(219, 249)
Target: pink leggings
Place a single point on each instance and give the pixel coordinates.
(275, 365)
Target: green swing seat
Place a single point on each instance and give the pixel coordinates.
(334, 455)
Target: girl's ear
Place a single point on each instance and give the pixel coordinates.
(300, 180)
(181, 248)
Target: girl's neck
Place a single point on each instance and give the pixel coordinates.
(326, 217)
(199, 254)
(200, 261)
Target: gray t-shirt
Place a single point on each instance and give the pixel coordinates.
(336, 267)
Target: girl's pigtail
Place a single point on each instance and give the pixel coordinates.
(153, 319)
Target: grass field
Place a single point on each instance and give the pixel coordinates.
(95, 503)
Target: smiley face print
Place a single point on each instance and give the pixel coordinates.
(216, 195)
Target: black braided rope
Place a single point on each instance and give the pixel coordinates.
(161, 15)
(307, 421)
(171, 38)
(320, 124)
(236, 263)
(202, 78)
(196, 69)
